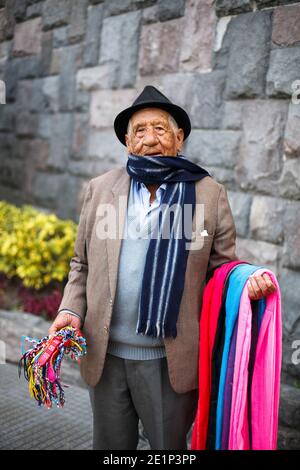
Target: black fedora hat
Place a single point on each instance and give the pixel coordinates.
(151, 97)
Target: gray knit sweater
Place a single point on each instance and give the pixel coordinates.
(123, 340)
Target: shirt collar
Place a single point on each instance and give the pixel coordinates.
(143, 186)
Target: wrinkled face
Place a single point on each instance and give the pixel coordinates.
(153, 134)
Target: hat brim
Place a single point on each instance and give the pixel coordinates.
(178, 113)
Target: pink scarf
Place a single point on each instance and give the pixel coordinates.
(266, 375)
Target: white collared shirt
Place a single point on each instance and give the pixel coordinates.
(140, 198)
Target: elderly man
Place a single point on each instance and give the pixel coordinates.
(138, 297)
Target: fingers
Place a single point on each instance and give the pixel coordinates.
(270, 285)
(257, 292)
(63, 320)
(260, 286)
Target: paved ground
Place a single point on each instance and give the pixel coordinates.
(25, 425)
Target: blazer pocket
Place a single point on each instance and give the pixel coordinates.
(201, 244)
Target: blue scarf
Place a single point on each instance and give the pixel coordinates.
(166, 258)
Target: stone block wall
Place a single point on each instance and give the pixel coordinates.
(70, 66)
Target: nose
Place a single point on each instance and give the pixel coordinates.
(150, 137)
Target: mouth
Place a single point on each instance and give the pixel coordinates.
(151, 154)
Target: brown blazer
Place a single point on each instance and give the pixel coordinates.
(92, 279)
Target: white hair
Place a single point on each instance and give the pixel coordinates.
(171, 120)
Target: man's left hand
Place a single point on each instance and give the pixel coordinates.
(260, 286)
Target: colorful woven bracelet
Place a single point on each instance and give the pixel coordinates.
(41, 364)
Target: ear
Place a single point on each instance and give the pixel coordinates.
(179, 138)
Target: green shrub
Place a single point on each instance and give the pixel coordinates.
(34, 246)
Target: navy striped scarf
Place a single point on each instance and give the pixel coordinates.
(166, 258)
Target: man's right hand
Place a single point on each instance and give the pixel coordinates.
(64, 319)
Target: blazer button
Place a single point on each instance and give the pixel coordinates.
(105, 329)
(110, 301)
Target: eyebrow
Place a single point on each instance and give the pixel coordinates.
(155, 121)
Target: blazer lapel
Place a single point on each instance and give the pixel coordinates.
(120, 192)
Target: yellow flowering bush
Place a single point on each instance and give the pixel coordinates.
(34, 246)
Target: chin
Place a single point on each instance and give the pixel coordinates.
(153, 154)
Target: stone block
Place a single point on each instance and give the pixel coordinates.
(9, 21)
(80, 135)
(272, 3)
(34, 153)
(28, 67)
(26, 124)
(248, 55)
(50, 90)
(56, 13)
(30, 95)
(197, 38)
(10, 78)
(240, 204)
(44, 126)
(70, 62)
(290, 345)
(216, 148)
(60, 37)
(46, 54)
(20, 10)
(232, 7)
(12, 172)
(104, 145)
(222, 175)
(93, 34)
(55, 64)
(259, 253)
(170, 9)
(286, 30)
(160, 47)
(77, 23)
(82, 103)
(36, 9)
(117, 7)
(27, 38)
(7, 117)
(284, 69)
(289, 183)
(49, 188)
(232, 117)
(5, 49)
(266, 219)
(207, 104)
(150, 14)
(119, 46)
(260, 161)
(106, 104)
(2, 24)
(61, 140)
(291, 135)
(69, 208)
(289, 412)
(291, 220)
(222, 43)
(289, 285)
(90, 168)
(7, 146)
(95, 78)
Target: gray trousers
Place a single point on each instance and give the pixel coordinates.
(130, 390)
